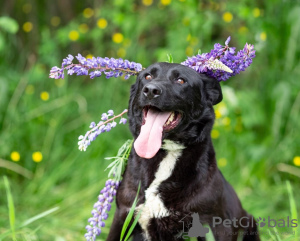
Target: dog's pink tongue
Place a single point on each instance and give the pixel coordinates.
(150, 139)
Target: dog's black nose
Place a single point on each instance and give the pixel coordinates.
(152, 91)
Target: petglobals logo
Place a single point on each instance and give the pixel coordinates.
(246, 222)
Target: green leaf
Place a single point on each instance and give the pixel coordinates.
(9, 25)
(133, 225)
(293, 205)
(199, 51)
(11, 207)
(129, 217)
(170, 58)
(117, 167)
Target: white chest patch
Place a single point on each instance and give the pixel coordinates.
(153, 206)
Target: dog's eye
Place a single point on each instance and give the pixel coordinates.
(180, 81)
(148, 77)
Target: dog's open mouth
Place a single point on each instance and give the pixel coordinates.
(155, 122)
(170, 123)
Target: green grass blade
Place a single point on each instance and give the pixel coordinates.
(133, 225)
(277, 235)
(39, 216)
(209, 236)
(272, 236)
(293, 205)
(130, 214)
(170, 58)
(11, 207)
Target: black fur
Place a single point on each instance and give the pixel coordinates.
(196, 184)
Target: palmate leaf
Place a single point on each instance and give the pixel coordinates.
(117, 167)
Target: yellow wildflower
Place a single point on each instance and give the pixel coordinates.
(118, 38)
(256, 12)
(27, 27)
(189, 37)
(73, 35)
(243, 29)
(296, 161)
(222, 162)
(226, 121)
(83, 28)
(102, 23)
(37, 156)
(218, 114)
(263, 36)
(165, 2)
(147, 2)
(215, 134)
(121, 52)
(15, 156)
(227, 17)
(44, 96)
(88, 12)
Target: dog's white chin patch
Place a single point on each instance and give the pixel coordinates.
(149, 141)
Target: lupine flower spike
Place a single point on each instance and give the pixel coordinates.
(220, 62)
(105, 125)
(107, 194)
(101, 209)
(95, 67)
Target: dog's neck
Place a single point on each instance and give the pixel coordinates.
(185, 165)
(171, 146)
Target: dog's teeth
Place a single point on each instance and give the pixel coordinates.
(171, 118)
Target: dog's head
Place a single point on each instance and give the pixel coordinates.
(171, 101)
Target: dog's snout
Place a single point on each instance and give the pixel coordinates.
(152, 91)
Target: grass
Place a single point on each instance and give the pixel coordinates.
(256, 137)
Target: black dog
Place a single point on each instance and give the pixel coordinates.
(171, 116)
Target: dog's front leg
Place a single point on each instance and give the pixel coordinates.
(117, 224)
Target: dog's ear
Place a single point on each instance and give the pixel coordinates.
(213, 90)
(133, 91)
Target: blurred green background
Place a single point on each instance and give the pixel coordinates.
(53, 185)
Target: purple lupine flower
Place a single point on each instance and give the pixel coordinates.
(222, 63)
(55, 72)
(104, 117)
(227, 40)
(95, 67)
(113, 124)
(101, 209)
(95, 73)
(67, 61)
(103, 126)
(108, 127)
(110, 113)
(123, 121)
(92, 125)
